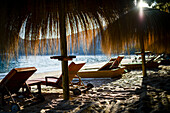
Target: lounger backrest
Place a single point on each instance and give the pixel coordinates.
(15, 79)
(106, 66)
(73, 68)
(113, 63)
(116, 63)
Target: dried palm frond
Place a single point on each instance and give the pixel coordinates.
(127, 31)
(39, 21)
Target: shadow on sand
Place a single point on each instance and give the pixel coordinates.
(54, 101)
(154, 95)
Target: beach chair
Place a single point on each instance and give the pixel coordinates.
(12, 83)
(109, 70)
(113, 63)
(73, 68)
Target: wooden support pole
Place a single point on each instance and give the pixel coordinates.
(63, 48)
(143, 56)
(142, 46)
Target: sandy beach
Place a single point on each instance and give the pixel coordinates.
(132, 93)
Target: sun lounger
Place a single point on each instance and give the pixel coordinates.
(57, 82)
(12, 83)
(73, 68)
(136, 64)
(109, 70)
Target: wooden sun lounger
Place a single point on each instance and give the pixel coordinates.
(73, 69)
(15, 80)
(109, 70)
(57, 82)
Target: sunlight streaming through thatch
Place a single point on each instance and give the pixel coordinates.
(126, 32)
(32, 27)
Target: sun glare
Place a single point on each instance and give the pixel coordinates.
(142, 4)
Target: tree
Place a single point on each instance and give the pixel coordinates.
(163, 5)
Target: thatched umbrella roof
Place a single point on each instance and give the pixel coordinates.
(127, 30)
(51, 18)
(143, 28)
(39, 19)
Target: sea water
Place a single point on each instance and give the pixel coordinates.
(45, 64)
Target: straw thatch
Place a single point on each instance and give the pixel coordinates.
(127, 31)
(38, 20)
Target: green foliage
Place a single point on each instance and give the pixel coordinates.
(157, 1)
(163, 5)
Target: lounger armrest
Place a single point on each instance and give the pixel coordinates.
(46, 78)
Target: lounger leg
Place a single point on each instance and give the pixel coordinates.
(2, 99)
(80, 81)
(22, 89)
(10, 94)
(39, 88)
(28, 90)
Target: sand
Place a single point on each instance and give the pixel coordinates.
(42, 75)
(131, 93)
